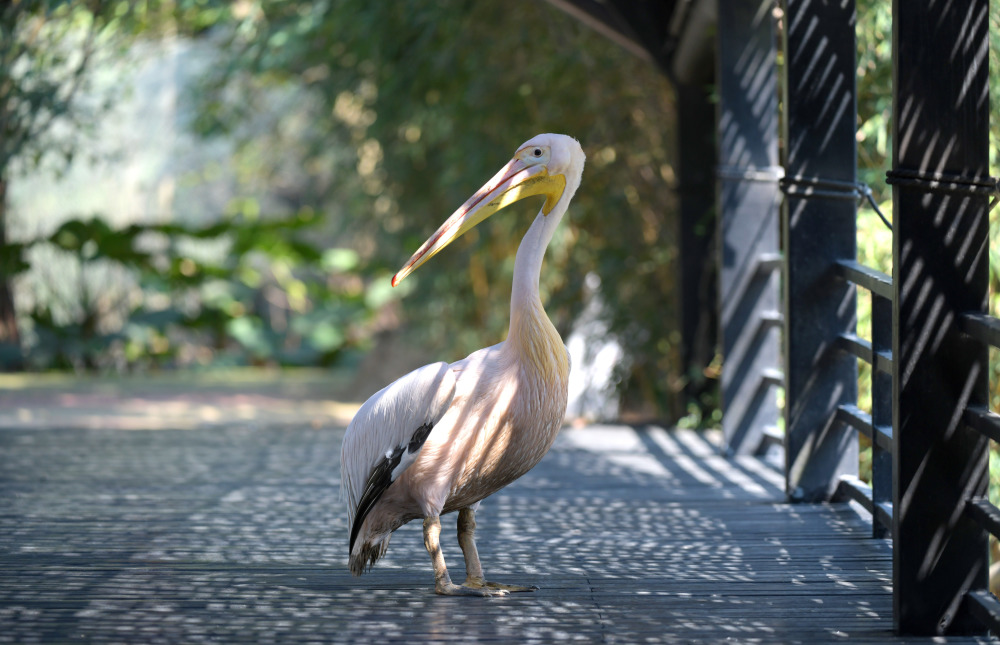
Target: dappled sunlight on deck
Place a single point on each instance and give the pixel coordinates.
(172, 401)
(235, 532)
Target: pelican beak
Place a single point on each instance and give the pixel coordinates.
(515, 181)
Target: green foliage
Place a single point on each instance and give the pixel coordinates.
(874, 90)
(376, 120)
(874, 80)
(401, 110)
(263, 300)
(48, 49)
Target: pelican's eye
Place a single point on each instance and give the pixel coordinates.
(534, 155)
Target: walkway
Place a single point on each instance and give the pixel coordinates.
(231, 531)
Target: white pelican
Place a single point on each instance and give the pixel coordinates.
(444, 437)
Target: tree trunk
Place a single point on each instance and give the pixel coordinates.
(11, 357)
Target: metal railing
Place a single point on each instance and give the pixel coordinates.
(929, 423)
(877, 425)
(986, 330)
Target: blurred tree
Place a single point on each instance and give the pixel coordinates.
(380, 118)
(410, 106)
(47, 53)
(179, 308)
(874, 33)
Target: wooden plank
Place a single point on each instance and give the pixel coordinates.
(235, 534)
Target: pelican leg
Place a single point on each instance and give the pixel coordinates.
(442, 581)
(473, 567)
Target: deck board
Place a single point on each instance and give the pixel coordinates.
(235, 533)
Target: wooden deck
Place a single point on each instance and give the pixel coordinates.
(233, 532)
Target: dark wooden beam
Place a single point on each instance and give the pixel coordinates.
(941, 120)
(639, 27)
(819, 224)
(748, 201)
(696, 161)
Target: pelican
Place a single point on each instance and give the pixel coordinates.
(444, 437)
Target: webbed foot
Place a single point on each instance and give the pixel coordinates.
(479, 583)
(450, 589)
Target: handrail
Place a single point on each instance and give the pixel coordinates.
(984, 514)
(982, 327)
(861, 421)
(866, 277)
(982, 420)
(852, 488)
(929, 415)
(853, 344)
(985, 607)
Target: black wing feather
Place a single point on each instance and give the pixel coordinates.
(380, 478)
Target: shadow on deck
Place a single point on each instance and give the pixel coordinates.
(235, 533)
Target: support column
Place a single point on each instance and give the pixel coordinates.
(940, 256)
(819, 227)
(748, 221)
(696, 194)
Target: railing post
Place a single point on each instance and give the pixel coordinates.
(940, 255)
(819, 225)
(748, 220)
(881, 408)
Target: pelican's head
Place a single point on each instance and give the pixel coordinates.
(547, 164)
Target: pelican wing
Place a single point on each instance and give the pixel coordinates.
(387, 434)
